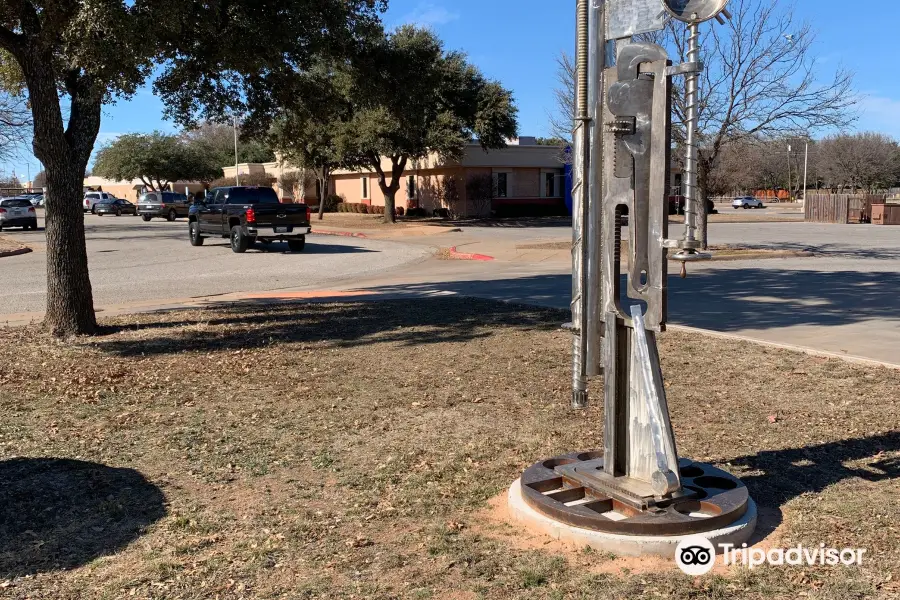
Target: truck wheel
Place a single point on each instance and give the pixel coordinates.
(196, 238)
(172, 216)
(239, 241)
(297, 245)
(146, 218)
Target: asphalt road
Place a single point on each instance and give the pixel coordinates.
(844, 300)
(132, 261)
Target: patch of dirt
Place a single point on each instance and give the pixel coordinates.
(10, 247)
(360, 222)
(347, 450)
(496, 522)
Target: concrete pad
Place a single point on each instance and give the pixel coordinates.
(624, 545)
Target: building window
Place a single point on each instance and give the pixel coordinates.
(411, 186)
(365, 187)
(550, 185)
(503, 185)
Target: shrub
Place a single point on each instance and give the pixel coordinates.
(333, 203)
(399, 211)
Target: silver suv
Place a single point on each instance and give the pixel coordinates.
(17, 212)
(163, 204)
(747, 202)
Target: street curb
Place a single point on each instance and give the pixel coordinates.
(353, 234)
(850, 358)
(17, 252)
(456, 255)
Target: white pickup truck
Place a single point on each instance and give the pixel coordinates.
(92, 198)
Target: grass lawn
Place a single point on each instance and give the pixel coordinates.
(350, 451)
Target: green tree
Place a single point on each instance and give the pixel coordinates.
(310, 135)
(410, 99)
(156, 159)
(82, 55)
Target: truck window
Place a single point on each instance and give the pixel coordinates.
(252, 196)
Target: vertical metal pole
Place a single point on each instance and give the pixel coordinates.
(597, 63)
(805, 169)
(580, 162)
(237, 170)
(789, 173)
(690, 161)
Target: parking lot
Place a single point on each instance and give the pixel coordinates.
(133, 261)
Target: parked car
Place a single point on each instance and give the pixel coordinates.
(247, 215)
(163, 204)
(37, 200)
(92, 198)
(17, 212)
(115, 207)
(747, 202)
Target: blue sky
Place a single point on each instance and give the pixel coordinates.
(517, 41)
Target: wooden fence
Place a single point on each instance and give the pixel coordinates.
(840, 208)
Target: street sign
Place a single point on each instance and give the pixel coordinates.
(694, 11)
(626, 18)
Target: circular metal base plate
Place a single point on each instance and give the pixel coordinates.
(712, 499)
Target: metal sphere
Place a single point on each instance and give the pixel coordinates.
(694, 11)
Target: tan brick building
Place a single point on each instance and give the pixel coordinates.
(521, 176)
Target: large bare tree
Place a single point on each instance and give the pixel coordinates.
(869, 161)
(762, 81)
(562, 116)
(15, 124)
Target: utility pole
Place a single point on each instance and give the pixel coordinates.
(237, 170)
(789, 174)
(805, 169)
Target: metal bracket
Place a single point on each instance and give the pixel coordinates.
(685, 69)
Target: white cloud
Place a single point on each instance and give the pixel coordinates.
(430, 14)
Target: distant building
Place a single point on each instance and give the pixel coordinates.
(524, 177)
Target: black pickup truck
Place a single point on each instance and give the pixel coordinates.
(248, 215)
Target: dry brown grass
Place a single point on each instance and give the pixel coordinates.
(8, 245)
(345, 451)
(358, 222)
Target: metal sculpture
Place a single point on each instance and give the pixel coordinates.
(637, 485)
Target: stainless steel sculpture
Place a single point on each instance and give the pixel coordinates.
(637, 484)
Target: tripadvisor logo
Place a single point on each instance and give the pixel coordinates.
(696, 556)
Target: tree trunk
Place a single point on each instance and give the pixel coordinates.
(702, 214)
(64, 154)
(323, 179)
(70, 303)
(390, 191)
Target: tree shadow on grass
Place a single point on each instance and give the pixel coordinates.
(61, 514)
(263, 322)
(782, 475)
